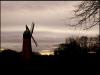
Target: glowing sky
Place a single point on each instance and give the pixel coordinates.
(49, 18)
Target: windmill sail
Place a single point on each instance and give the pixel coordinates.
(32, 27)
(31, 33)
(34, 41)
(27, 28)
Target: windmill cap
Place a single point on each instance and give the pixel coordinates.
(26, 27)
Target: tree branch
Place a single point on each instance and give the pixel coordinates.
(91, 26)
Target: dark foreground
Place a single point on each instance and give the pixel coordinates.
(10, 59)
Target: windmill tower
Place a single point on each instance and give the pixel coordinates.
(27, 47)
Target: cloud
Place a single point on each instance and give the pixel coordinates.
(49, 18)
(48, 15)
(35, 5)
(42, 12)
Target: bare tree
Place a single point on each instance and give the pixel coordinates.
(87, 14)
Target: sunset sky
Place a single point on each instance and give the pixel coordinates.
(50, 23)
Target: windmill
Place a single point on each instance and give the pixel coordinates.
(27, 48)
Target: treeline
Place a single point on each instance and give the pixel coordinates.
(79, 46)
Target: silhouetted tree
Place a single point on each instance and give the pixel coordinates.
(83, 41)
(87, 14)
(70, 49)
(98, 46)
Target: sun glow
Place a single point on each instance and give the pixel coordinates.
(2, 49)
(46, 52)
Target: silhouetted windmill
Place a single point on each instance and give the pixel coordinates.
(27, 48)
